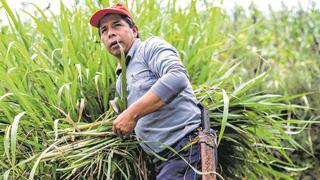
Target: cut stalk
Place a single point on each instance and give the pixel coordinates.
(95, 134)
(123, 79)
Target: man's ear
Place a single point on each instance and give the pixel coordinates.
(135, 31)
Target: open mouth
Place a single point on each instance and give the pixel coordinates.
(113, 44)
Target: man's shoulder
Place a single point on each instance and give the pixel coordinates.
(152, 40)
(154, 45)
(155, 42)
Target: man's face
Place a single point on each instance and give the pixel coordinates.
(112, 29)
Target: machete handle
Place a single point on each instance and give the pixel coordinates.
(205, 122)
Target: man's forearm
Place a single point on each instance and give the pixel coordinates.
(148, 103)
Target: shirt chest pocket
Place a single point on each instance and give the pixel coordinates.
(141, 82)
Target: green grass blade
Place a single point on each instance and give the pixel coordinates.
(56, 127)
(123, 79)
(7, 143)
(225, 114)
(5, 95)
(34, 168)
(6, 175)
(109, 164)
(14, 131)
(247, 85)
(18, 25)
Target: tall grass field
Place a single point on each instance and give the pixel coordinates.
(258, 74)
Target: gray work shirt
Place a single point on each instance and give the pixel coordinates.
(155, 65)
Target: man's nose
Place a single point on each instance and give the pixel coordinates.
(111, 33)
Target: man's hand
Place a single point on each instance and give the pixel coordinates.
(124, 124)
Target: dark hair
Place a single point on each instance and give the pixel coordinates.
(125, 18)
(128, 20)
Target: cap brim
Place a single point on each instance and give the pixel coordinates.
(95, 18)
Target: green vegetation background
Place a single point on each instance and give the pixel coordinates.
(259, 76)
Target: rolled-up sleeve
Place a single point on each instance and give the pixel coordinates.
(163, 60)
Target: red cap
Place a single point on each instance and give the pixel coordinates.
(114, 9)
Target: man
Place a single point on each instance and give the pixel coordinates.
(162, 108)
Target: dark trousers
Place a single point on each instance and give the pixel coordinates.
(175, 167)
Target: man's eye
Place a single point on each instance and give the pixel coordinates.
(103, 30)
(118, 24)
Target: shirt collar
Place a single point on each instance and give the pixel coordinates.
(130, 54)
